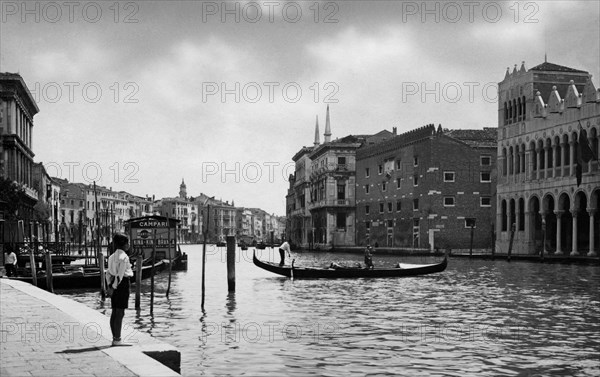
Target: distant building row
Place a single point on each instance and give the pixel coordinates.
(534, 179)
(53, 209)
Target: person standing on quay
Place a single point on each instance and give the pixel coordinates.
(117, 276)
(285, 247)
(10, 264)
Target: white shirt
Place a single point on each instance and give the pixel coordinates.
(11, 258)
(118, 267)
(285, 246)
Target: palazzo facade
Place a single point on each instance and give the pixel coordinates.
(548, 126)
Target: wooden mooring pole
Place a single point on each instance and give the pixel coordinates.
(138, 280)
(33, 265)
(169, 252)
(204, 253)
(471, 247)
(49, 285)
(512, 237)
(152, 274)
(231, 263)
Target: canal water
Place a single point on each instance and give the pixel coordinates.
(478, 318)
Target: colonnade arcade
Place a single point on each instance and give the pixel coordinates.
(559, 224)
(546, 158)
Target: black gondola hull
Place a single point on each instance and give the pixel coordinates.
(349, 273)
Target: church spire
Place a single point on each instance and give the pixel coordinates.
(327, 127)
(182, 190)
(317, 137)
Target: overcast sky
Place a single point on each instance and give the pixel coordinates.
(139, 95)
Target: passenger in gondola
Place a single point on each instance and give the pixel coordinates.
(285, 247)
(368, 257)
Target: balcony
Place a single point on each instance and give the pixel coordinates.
(299, 212)
(331, 169)
(331, 203)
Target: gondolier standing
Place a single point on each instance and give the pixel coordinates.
(285, 247)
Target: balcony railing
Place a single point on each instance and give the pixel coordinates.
(330, 203)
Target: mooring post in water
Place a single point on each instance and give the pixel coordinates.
(471, 247)
(102, 278)
(169, 252)
(204, 250)
(512, 237)
(33, 264)
(152, 273)
(231, 263)
(49, 285)
(138, 279)
(493, 241)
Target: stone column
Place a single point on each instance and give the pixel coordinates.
(530, 230)
(592, 252)
(574, 247)
(572, 160)
(558, 232)
(557, 172)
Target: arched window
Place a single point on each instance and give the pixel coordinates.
(513, 214)
(511, 161)
(521, 214)
(503, 214)
(505, 113)
(510, 111)
(519, 114)
(524, 108)
(533, 156)
(523, 158)
(514, 103)
(504, 162)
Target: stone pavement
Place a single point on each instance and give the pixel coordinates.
(39, 338)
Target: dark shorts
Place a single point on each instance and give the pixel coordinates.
(120, 298)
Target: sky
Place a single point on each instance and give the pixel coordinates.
(140, 95)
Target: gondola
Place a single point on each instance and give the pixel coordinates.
(402, 270)
(79, 278)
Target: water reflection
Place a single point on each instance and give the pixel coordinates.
(476, 318)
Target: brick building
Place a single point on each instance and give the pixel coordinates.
(547, 116)
(426, 188)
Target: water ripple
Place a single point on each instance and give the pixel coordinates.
(478, 318)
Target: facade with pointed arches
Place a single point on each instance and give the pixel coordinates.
(546, 116)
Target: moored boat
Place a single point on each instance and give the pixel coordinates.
(402, 270)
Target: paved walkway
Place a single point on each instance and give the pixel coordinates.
(39, 338)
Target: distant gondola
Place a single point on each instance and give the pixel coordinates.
(336, 273)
